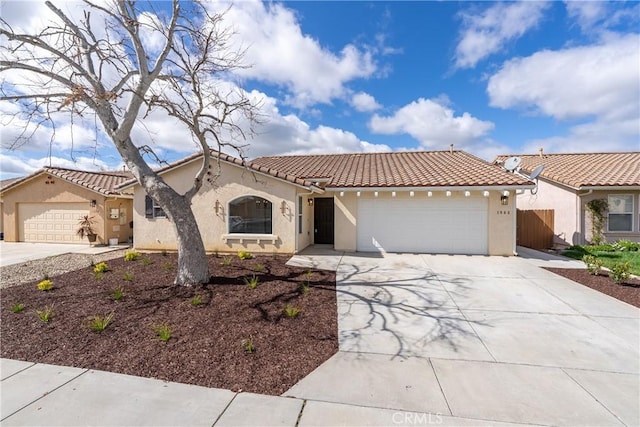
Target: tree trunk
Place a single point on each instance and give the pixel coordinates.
(193, 264)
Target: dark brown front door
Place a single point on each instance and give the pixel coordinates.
(323, 221)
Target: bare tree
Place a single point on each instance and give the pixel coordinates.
(121, 63)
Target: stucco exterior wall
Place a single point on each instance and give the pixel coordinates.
(305, 236)
(500, 227)
(119, 228)
(233, 182)
(565, 204)
(572, 221)
(585, 217)
(56, 191)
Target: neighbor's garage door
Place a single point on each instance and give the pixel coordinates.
(50, 222)
(455, 225)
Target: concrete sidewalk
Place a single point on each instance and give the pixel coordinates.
(19, 252)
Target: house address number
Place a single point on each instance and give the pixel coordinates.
(504, 212)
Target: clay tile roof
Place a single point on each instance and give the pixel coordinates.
(104, 183)
(580, 170)
(233, 160)
(393, 169)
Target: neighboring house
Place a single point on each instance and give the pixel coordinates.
(427, 202)
(4, 183)
(47, 205)
(569, 181)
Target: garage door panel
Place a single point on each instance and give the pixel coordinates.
(50, 222)
(456, 226)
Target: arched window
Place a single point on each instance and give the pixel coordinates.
(250, 214)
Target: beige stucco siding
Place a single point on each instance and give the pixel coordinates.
(572, 221)
(233, 182)
(48, 189)
(500, 227)
(585, 216)
(565, 204)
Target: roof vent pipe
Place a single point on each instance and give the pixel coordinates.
(451, 148)
(541, 152)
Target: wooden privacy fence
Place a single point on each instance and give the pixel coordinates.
(535, 228)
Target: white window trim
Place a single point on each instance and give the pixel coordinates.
(300, 209)
(633, 214)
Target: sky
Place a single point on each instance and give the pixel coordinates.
(488, 77)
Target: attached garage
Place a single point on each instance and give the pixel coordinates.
(50, 222)
(452, 225)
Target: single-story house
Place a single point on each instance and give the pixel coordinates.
(427, 202)
(4, 183)
(569, 181)
(47, 205)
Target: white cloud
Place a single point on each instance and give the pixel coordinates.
(597, 84)
(279, 53)
(15, 165)
(488, 32)
(364, 102)
(598, 80)
(433, 123)
(586, 13)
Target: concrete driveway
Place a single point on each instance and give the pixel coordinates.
(19, 252)
(477, 340)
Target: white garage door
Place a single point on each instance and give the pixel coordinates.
(453, 225)
(50, 222)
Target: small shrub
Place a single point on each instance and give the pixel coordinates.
(127, 276)
(45, 314)
(101, 267)
(604, 247)
(620, 272)
(626, 246)
(98, 323)
(17, 307)
(248, 346)
(147, 261)
(259, 268)
(162, 330)
(118, 293)
(45, 285)
(252, 282)
(593, 264)
(291, 311)
(244, 254)
(196, 300)
(226, 261)
(167, 266)
(305, 289)
(98, 275)
(131, 255)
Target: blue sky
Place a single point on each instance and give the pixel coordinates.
(489, 77)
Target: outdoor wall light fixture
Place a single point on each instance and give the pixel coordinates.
(93, 203)
(283, 207)
(504, 200)
(217, 207)
(310, 201)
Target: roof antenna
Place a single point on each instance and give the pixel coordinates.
(451, 148)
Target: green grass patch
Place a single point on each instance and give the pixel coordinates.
(608, 258)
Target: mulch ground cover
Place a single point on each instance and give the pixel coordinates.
(208, 343)
(628, 291)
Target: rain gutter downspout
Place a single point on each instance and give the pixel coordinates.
(583, 238)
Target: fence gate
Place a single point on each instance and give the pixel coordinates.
(535, 228)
